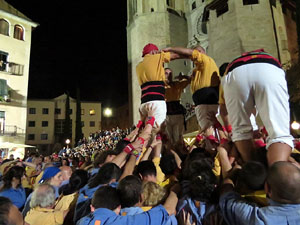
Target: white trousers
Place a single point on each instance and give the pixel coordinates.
(160, 112)
(202, 112)
(262, 85)
(174, 127)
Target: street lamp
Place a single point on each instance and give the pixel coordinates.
(107, 112)
(68, 142)
(295, 125)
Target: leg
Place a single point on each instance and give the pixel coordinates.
(239, 103)
(271, 97)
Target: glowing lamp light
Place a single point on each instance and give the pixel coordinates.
(107, 112)
(295, 125)
(68, 141)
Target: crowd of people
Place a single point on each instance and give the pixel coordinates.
(235, 172)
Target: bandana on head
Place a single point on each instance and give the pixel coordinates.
(148, 48)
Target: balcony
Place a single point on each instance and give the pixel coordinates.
(12, 68)
(11, 130)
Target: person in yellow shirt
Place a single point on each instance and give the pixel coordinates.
(204, 83)
(42, 204)
(175, 111)
(151, 77)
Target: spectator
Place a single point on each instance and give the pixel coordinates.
(9, 213)
(42, 204)
(12, 186)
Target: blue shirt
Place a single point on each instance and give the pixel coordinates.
(155, 216)
(17, 196)
(198, 213)
(237, 211)
(131, 211)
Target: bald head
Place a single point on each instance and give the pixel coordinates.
(66, 172)
(284, 182)
(200, 49)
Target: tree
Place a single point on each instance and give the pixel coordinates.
(67, 126)
(78, 129)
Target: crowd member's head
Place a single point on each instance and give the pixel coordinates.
(78, 179)
(200, 49)
(251, 177)
(106, 197)
(9, 213)
(130, 190)
(108, 173)
(121, 145)
(53, 176)
(104, 157)
(168, 164)
(65, 162)
(43, 196)
(153, 194)
(283, 182)
(168, 75)
(146, 170)
(13, 177)
(66, 172)
(149, 49)
(203, 182)
(47, 159)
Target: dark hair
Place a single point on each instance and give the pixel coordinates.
(296, 156)
(253, 174)
(130, 190)
(67, 160)
(222, 69)
(168, 164)
(203, 183)
(5, 205)
(13, 172)
(106, 197)
(121, 145)
(78, 179)
(101, 157)
(107, 172)
(146, 168)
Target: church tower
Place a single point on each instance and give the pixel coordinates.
(161, 22)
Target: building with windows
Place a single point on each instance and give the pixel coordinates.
(15, 39)
(225, 28)
(46, 121)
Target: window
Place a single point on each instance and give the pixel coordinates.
(59, 126)
(92, 123)
(92, 112)
(3, 60)
(31, 110)
(19, 32)
(45, 111)
(82, 111)
(193, 5)
(44, 123)
(3, 90)
(30, 137)
(71, 111)
(57, 111)
(31, 123)
(2, 121)
(168, 2)
(223, 8)
(4, 27)
(44, 136)
(82, 123)
(250, 2)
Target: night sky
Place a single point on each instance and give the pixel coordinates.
(78, 43)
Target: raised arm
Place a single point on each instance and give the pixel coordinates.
(181, 51)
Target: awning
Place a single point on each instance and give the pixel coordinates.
(14, 145)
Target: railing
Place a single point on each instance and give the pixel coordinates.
(12, 68)
(11, 130)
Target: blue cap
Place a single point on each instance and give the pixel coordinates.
(49, 172)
